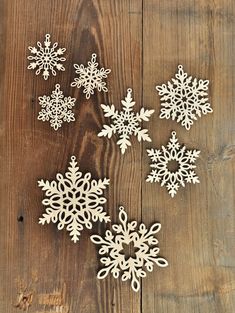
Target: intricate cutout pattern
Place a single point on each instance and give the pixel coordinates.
(126, 122)
(184, 98)
(74, 201)
(90, 77)
(116, 262)
(46, 58)
(57, 108)
(185, 160)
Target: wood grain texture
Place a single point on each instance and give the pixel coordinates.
(142, 41)
(198, 224)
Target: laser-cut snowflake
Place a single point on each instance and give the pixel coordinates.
(74, 200)
(129, 267)
(90, 77)
(47, 58)
(56, 108)
(126, 122)
(184, 98)
(185, 160)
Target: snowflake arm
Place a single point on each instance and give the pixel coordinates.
(129, 267)
(125, 123)
(124, 142)
(184, 99)
(46, 58)
(74, 200)
(173, 179)
(90, 77)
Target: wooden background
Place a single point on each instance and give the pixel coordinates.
(142, 41)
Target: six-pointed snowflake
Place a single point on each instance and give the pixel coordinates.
(126, 122)
(184, 160)
(90, 77)
(46, 58)
(117, 262)
(57, 108)
(184, 98)
(74, 200)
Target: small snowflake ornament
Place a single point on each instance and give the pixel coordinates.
(126, 122)
(178, 155)
(90, 77)
(74, 200)
(46, 58)
(184, 98)
(56, 108)
(117, 262)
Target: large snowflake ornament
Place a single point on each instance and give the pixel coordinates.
(119, 263)
(126, 122)
(181, 158)
(74, 200)
(46, 58)
(56, 108)
(184, 98)
(90, 77)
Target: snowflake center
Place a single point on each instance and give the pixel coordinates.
(127, 123)
(129, 250)
(173, 166)
(74, 201)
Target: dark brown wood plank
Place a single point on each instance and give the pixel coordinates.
(197, 235)
(39, 259)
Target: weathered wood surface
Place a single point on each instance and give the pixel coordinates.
(142, 42)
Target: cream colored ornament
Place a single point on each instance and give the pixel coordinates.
(184, 99)
(74, 200)
(184, 160)
(125, 123)
(46, 58)
(90, 77)
(56, 108)
(129, 267)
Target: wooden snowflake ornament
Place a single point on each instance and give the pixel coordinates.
(129, 267)
(46, 58)
(184, 98)
(184, 160)
(90, 77)
(56, 108)
(125, 123)
(74, 200)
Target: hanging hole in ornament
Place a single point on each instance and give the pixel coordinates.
(93, 55)
(20, 219)
(173, 166)
(173, 133)
(129, 90)
(180, 67)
